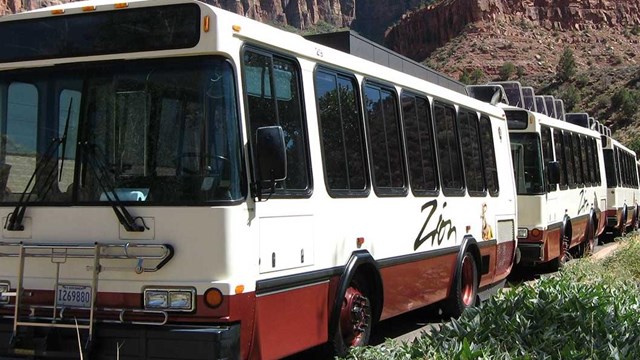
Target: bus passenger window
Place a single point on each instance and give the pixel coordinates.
(341, 134)
(384, 136)
(449, 160)
(423, 173)
(470, 137)
(489, 156)
(272, 89)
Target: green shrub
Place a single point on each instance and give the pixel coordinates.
(571, 96)
(566, 68)
(471, 78)
(507, 70)
(625, 101)
(590, 310)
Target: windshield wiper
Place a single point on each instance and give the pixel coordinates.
(14, 220)
(100, 171)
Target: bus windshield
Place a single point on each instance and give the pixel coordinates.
(527, 163)
(149, 132)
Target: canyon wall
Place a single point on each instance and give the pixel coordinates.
(419, 33)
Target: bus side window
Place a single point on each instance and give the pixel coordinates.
(470, 137)
(343, 149)
(569, 159)
(273, 97)
(384, 136)
(418, 132)
(449, 159)
(489, 156)
(547, 153)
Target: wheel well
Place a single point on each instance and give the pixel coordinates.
(567, 228)
(475, 251)
(369, 273)
(469, 244)
(362, 266)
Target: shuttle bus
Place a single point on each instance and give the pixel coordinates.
(622, 186)
(560, 179)
(183, 182)
(561, 188)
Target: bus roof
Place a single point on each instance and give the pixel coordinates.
(259, 34)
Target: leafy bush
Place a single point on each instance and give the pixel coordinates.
(566, 68)
(626, 101)
(591, 310)
(571, 96)
(507, 70)
(472, 78)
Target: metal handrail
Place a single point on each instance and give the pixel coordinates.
(139, 252)
(58, 255)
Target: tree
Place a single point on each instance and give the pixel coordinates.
(507, 70)
(471, 78)
(625, 101)
(571, 97)
(566, 68)
(477, 75)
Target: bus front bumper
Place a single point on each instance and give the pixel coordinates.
(531, 253)
(112, 341)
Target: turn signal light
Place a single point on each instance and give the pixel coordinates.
(213, 298)
(536, 233)
(205, 23)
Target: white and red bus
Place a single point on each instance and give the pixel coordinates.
(622, 185)
(560, 179)
(184, 182)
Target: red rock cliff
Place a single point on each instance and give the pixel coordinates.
(369, 17)
(421, 32)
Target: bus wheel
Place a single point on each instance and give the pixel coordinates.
(623, 226)
(564, 257)
(589, 242)
(354, 328)
(465, 286)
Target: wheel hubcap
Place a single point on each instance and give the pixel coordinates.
(467, 281)
(355, 317)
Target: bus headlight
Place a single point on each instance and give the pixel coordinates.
(523, 233)
(170, 299)
(4, 287)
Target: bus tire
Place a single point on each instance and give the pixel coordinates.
(355, 321)
(622, 231)
(589, 242)
(465, 286)
(565, 253)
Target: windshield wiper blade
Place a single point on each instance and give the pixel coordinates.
(14, 220)
(64, 138)
(100, 171)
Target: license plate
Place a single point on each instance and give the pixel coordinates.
(74, 295)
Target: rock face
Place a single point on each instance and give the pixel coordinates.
(418, 34)
(301, 14)
(369, 17)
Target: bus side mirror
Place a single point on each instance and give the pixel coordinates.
(271, 157)
(553, 172)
